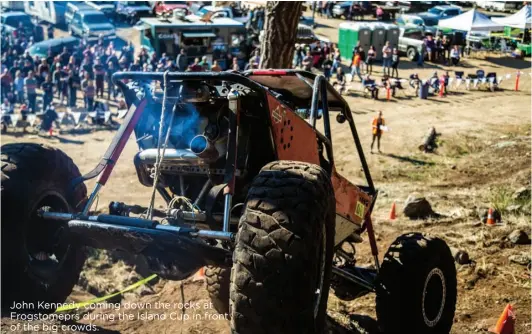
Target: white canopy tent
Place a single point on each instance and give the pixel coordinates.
(469, 21)
(522, 19)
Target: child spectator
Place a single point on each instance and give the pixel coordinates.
(89, 92)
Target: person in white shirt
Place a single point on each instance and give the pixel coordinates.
(386, 58)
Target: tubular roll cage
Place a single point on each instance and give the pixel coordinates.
(320, 93)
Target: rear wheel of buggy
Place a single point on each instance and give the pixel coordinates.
(217, 279)
(284, 248)
(38, 260)
(416, 286)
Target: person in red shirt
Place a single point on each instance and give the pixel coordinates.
(195, 67)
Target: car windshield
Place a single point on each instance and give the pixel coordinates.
(203, 11)
(175, 2)
(430, 22)
(135, 3)
(95, 19)
(14, 20)
(418, 22)
(436, 11)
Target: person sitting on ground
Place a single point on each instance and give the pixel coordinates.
(307, 62)
(195, 67)
(339, 84)
(99, 119)
(389, 83)
(216, 67)
(455, 55)
(371, 86)
(49, 117)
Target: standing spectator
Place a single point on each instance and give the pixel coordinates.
(307, 62)
(5, 82)
(19, 87)
(73, 85)
(327, 67)
(84, 84)
(298, 56)
(446, 48)
(72, 64)
(48, 91)
(65, 56)
(376, 125)
(43, 70)
(430, 47)
(114, 59)
(379, 13)
(99, 75)
(56, 76)
(50, 57)
(369, 59)
(216, 67)
(422, 51)
(133, 67)
(86, 65)
(386, 58)
(337, 60)
(63, 77)
(355, 67)
(395, 63)
(254, 61)
(111, 89)
(89, 93)
(362, 58)
(181, 61)
(30, 84)
(50, 31)
(28, 67)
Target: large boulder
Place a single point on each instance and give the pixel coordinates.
(522, 194)
(417, 207)
(519, 237)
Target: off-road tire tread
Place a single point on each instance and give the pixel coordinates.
(276, 248)
(26, 168)
(217, 280)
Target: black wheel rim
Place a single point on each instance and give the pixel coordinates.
(46, 243)
(433, 302)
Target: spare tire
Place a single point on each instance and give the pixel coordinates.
(284, 249)
(39, 263)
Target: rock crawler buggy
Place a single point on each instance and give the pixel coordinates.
(252, 193)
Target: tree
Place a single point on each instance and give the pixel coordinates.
(280, 32)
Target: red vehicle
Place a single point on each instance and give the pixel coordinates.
(246, 166)
(166, 8)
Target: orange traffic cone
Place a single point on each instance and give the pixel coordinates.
(490, 221)
(442, 88)
(200, 275)
(506, 322)
(388, 95)
(392, 213)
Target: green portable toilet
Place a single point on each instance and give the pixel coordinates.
(351, 33)
(378, 38)
(392, 35)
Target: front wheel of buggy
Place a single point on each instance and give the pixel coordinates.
(416, 286)
(284, 248)
(39, 262)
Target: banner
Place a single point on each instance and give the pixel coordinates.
(491, 79)
(458, 82)
(122, 113)
(107, 115)
(483, 80)
(499, 80)
(450, 82)
(475, 83)
(92, 114)
(467, 83)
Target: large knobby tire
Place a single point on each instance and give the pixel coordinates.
(416, 286)
(217, 279)
(39, 264)
(284, 248)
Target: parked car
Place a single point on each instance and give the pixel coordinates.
(415, 6)
(132, 11)
(73, 8)
(56, 45)
(91, 24)
(341, 9)
(425, 21)
(106, 7)
(500, 6)
(410, 40)
(445, 12)
(13, 19)
(229, 12)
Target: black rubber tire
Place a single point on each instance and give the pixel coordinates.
(411, 54)
(33, 175)
(281, 251)
(413, 265)
(218, 280)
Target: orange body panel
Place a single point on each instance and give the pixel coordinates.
(293, 137)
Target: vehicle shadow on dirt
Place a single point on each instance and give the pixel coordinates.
(358, 324)
(409, 159)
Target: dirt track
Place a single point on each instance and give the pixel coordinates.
(471, 167)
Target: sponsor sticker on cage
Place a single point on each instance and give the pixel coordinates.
(359, 211)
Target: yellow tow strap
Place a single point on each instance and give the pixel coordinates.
(101, 299)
